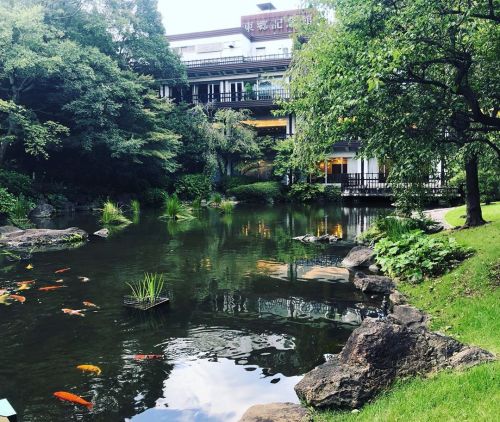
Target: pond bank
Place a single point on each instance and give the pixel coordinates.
(464, 304)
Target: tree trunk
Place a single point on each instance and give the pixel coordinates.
(472, 194)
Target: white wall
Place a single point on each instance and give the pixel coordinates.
(221, 45)
(272, 47)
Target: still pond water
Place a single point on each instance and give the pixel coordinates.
(251, 311)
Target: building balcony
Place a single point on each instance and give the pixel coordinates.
(254, 99)
(222, 61)
(238, 65)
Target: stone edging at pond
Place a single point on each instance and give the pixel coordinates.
(41, 239)
(377, 353)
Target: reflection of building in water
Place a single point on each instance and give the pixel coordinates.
(332, 228)
(261, 230)
(303, 270)
(291, 307)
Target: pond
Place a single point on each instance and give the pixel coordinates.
(250, 312)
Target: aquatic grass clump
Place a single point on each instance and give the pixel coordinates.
(176, 210)
(113, 215)
(135, 207)
(226, 207)
(216, 199)
(18, 214)
(149, 289)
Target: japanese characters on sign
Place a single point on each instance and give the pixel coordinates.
(268, 24)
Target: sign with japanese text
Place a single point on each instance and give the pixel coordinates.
(274, 22)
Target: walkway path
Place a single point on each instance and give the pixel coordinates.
(438, 215)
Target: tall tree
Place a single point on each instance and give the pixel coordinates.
(416, 81)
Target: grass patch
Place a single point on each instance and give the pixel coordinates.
(149, 288)
(176, 210)
(464, 304)
(113, 215)
(455, 217)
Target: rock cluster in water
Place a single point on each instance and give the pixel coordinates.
(14, 238)
(309, 238)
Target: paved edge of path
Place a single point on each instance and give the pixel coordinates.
(438, 214)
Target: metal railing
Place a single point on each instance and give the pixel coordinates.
(235, 60)
(232, 97)
(377, 184)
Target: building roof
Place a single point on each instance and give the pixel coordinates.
(209, 34)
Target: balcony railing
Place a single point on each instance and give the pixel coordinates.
(235, 60)
(233, 97)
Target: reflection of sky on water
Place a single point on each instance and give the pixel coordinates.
(187, 396)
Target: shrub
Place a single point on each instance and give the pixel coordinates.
(230, 182)
(216, 199)
(392, 227)
(154, 197)
(332, 193)
(7, 202)
(113, 215)
(18, 215)
(192, 186)
(226, 207)
(176, 210)
(16, 183)
(416, 255)
(307, 192)
(258, 192)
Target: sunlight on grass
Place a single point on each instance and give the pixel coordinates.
(456, 217)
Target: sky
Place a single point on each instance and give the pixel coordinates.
(181, 16)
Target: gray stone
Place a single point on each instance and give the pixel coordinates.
(408, 315)
(377, 353)
(369, 283)
(275, 412)
(397, 298)
(39, 238)
(6, 230)
(42, 211)
(374, 268)
(307, 238)
(102, 233)
(359, 256)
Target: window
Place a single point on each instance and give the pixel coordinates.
(260, 51)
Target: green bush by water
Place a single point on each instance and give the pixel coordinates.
(392, 227)
(192, 186)
(16, 183)
(113, 215)
(154, 197)
(176, 210)
(416, 255)
(149, 288)
(307, 192)
(258, 192)
(226, 207)
(216, 199)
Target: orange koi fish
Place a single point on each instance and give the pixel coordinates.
(73, 398)
(62, 270)
(147, 357)
(4, 299)
(76, 312)
(19, 298)
(90, 304)
(49, 288)
(23, 286)
(25, 282)
(89, 368)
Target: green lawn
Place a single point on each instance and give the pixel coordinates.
(491, 212)
(465, 304)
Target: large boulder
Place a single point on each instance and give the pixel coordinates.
(275, 412)
(369, 283)
(359, 256)
(377, 353)
(7, 230)
(42, 211)
(42, 238)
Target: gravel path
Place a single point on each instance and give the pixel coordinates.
(438, 215)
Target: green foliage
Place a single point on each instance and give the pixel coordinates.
(216, 199)
(149, 288)
(226, 207)
(229, 182)
(393, 228)
(18, 215)
(307, 192)
(191, 186)
(332, 193)
(154, 197)
(7, 201)
(176, 210)
(258, 192)
(16, 183)
(415, 256)
(112, 215)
